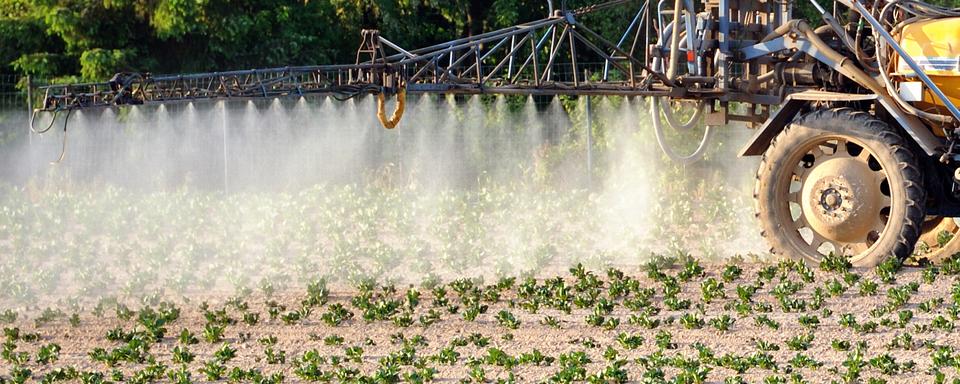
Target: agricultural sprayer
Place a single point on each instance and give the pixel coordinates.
(859, 158)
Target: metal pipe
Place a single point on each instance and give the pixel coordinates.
(226, 180)
(589, 146)
(29, 108)
(724, 36)
(674, 41)
(513, 47)
(606, 65)
(573, 60)
(513, 52)
(691, 35)
(396, 47)
(553, 53)
(500, 32)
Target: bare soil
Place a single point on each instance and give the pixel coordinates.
(704, 346)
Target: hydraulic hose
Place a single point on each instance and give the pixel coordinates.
(844, 64)
(672, 32)
(390, 123)
(675, 124)
(33, 118)
(697, 154)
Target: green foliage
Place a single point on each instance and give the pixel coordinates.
(96, 38)
(98, 63)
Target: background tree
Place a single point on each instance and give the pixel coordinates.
(89, 40)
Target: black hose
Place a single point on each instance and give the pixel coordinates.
(63, 148)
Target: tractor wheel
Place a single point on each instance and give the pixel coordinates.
(839, 181)
(939, 239)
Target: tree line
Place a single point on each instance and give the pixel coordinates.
(89, 40)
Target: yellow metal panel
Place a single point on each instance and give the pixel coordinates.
(934, 44)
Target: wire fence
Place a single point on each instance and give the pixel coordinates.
(12, 96)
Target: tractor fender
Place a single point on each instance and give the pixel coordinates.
(795, 102)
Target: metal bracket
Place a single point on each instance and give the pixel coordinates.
(793, 103)
(763, 49)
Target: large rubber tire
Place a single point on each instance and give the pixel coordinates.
(929, 249)
(889, 148)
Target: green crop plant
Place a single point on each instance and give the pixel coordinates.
(840, 345)
(887, 365)
(629, 341)
(213, 333)
(765, 346)
(868, 287)
(711, 289)
(691, 321)
(251, 318)
(19, 374)
(904, 317)
(222, 318)
(293, 317)
(213, 370)
(930, 305)
(354, 353)
(225, 353)
(664, 340)
(731, 273)
(835, 288)
(336, 314)
(645, 320)
(691, 269)
(887, 270)
(722, 323)
(800, 342)
(572, 367)
(803, 361)
(903, 341)
(809, 321)
(272, 355)
(835, 263)
(898, 297)
(8, 316)
(427, 319)
(764, 320)
(333, 340)
(930, 274)
(475, 309)
(762, 307)
(550, 321)
(181, 355)
(940, 322)
(48, 354)
(187, 337)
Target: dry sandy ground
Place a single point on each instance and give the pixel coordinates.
(378, 338)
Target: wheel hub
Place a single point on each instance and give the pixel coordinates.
(830, 199)
(841, 199)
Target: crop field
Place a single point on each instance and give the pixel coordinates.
(478, 266)
(348, 284)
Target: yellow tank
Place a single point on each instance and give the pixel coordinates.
(935, 46)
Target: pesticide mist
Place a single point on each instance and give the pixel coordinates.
(179, 199)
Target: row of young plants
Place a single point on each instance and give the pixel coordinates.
(627, 326)
(63, 241)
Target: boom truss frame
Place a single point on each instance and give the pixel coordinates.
(555, 55)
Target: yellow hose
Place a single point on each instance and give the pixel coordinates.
(397, 112)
